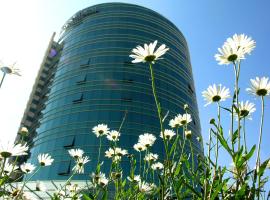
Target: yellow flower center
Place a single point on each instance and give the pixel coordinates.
(216, 98)
(150, 58)
(261, 92)
(232, 57)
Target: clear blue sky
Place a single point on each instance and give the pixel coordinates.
(205, 24)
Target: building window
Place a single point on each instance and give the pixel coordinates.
(128, 63)
(35, 101)
(28, 118)
(82, 79)
(69, 141)
(78, 99)
(64, 168)
(125, 99)
(190, 89)
(87, 64)
(128, 81)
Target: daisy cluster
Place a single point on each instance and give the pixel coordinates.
(235, 49)
(10, 169)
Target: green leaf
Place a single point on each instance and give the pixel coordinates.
(178, 168)
(86, 197)
(124, 183)
(218, 188)
(236, 109)
(192, 189)
(105, 195)
(227, 109)
(224, 143)
(3, 180)
(250, 153)
(174, 145)
(235, 136)
(263, 167)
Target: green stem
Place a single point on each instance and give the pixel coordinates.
(184, 143)
(140, 164)
(3, 166)
(218, 132)
(259, 147)
(237, 73)
(192, 166)
(232, 123)
(123, 120)
(192, 156)
(3, 77)
(176, 141)
(28, 181)
(209, 147)
(244, 132)
(99, 149)
(158, 108)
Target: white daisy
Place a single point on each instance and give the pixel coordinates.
(40, 186)
(73, 188)
(79, 166)
(45, 159)
(136, 178)
(148, 53)
(76, 153)
(243, 42)
(100, 130)
(245, 109)
(103, 181)
(173, 123)
(157, 166)
(168, 134)
(27, 168)
(115, 152)
(147, 188)
(109, 153)
(184, 119)
(150, 157)
(180, 120)
(28, 196)
(215, 94)
(10, 69)
(100, 179)
(147, 139)
(113, 135)
(7, 150)
(234, 49)
(188, 134)
(9, 168)
(139, 147)
(120, 152)
(259, 86)
(228, 54)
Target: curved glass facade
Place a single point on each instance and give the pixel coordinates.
(95, 82)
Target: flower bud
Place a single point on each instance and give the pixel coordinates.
(212, 121)
(185, 106)
(188, 134)
(24, 131)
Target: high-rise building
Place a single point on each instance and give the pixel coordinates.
(87, 78)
